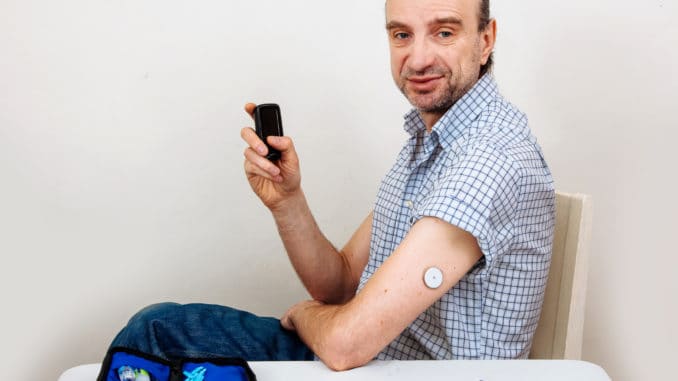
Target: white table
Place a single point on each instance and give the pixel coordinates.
(514, 370)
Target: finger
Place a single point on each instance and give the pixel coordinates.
(286, 322)
(249, 108)
(286, 147)
(252, 139)
(282, 143)
(252, 170)
(262, 163)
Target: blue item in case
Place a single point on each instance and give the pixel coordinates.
(123, 364)
(128, 367)
(198, 374)
(217, 372)
(126, 373)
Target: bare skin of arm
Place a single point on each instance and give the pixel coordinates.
(350, 335)
(330, 275)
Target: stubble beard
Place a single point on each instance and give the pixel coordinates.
(439, 100)
(454, 88)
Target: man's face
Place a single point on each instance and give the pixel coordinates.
(436, 50)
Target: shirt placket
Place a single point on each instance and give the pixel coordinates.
(418, 176)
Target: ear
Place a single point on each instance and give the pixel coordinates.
(488, 38)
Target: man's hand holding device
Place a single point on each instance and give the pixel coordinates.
(271, 162)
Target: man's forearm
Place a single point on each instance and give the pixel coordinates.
(329, 331)
(318, 263)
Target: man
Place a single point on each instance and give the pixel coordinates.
(453, 260)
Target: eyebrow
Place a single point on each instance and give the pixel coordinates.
(443, 20)
(448, 20)
(394, 25)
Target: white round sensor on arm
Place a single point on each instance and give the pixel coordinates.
(433, 278)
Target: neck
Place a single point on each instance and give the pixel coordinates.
(430, 119)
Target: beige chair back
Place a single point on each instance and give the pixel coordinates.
(560, 330)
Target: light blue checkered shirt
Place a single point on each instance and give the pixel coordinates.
(482, 170)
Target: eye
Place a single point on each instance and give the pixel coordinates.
(445, 34)
(401, 35)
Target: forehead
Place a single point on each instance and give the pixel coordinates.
(424, 11)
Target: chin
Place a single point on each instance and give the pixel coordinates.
(429, 105)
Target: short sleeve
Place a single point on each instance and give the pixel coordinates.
(477, 193)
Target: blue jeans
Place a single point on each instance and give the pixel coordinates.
(171, 331)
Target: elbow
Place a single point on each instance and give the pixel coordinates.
(344, 361)
(344, 351)
(322, 296)
(335, 297)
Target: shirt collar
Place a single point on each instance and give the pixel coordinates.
(459, 117)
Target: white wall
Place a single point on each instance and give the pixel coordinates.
(121, 177)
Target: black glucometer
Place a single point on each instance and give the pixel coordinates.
(268, 122)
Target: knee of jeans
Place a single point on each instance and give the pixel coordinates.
(160, 311)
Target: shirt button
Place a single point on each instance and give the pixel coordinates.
(409, 204)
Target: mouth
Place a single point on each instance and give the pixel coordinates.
(423, 83)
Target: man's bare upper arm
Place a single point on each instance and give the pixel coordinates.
(396, 293)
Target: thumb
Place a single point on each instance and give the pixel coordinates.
(283, 144)
(287, 323)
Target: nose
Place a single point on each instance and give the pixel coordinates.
(421, 55)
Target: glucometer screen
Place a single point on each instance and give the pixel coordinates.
(270, 123)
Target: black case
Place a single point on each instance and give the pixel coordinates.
(268, 126)
(176, 366)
